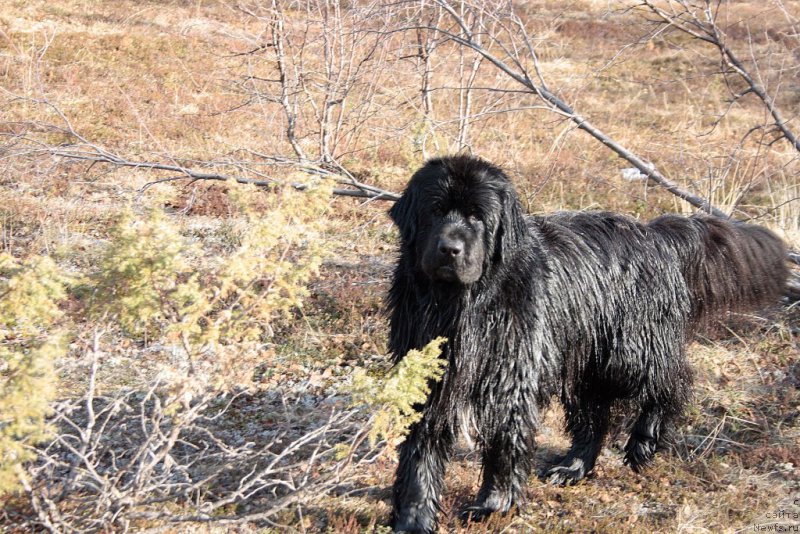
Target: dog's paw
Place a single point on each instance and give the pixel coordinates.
(639, 453)
(475, 514)
(565, 475)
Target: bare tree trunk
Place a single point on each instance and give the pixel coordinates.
(426, 41)
(289, 105)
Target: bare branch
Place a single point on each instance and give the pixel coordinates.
(94, 153)
(467, 39)
(706, 29)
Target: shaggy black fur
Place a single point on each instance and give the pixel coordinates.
(592, 307)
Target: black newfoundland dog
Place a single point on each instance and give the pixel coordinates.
(592, 307)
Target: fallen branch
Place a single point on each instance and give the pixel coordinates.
(86, 150)
(359, 190)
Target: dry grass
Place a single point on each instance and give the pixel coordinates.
(155, 81)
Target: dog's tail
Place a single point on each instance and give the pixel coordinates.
(727, 265)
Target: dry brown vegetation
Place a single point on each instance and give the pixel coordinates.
(201, 85)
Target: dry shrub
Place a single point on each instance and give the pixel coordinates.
(196, 440)
(29, 293)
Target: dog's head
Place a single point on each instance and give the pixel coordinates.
(457, 217)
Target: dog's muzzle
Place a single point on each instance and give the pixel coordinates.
(449, 257)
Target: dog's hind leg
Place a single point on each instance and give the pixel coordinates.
(647, 434)
(587, 423)
(644, 438)
(419, 481)
(668, 394)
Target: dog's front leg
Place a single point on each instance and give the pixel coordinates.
(420, 477)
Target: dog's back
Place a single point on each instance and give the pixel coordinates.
(725, 265)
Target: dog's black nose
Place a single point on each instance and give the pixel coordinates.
(450, 247)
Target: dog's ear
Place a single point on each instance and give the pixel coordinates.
(404, 214)
(511, 229)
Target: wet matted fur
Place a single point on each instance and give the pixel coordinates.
(591, 307)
